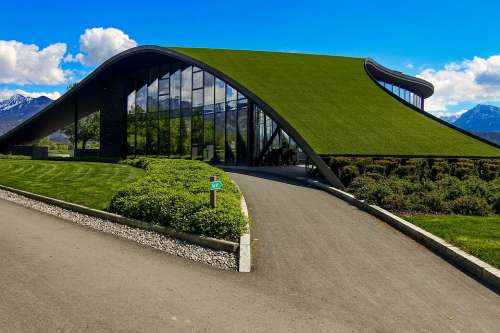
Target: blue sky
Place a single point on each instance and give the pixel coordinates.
(427, 38)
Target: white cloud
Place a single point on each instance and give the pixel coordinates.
(99, 44)
(473, 81)
(409, 65)
(7, 93)
(27, 64)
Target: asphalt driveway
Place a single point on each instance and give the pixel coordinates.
(320, 265)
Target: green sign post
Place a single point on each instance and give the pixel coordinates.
(215, 185)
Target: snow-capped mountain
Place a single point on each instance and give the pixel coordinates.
(482, 120)
(18, 108)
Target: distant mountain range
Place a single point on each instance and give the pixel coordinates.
(482, 120)
(18, 108)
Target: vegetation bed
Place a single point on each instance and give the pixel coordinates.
(419, 186)
(175, 193)
(479, 236)
(86, 183)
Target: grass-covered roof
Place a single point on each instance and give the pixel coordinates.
(335, 106)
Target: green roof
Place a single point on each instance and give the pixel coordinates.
(336, 107)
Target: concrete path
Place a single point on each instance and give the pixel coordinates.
(320, 265)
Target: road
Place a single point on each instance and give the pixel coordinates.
(320, 265)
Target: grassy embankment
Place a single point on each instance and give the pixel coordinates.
(477, 235)
(172, 193)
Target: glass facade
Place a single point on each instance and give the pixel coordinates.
(409, 96)
(181, 111)
(271, 143)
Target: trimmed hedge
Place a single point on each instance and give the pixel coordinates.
(423, 186)
(175, 193)
(14, 157)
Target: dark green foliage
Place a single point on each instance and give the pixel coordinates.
(427, 186)
(348, 173)
(175, 193)
(14, 157)
(470, 205)
(375, 168)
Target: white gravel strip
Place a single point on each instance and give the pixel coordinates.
(219, 259)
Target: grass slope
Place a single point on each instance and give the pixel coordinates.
(336, 107)
(85, 183)
(479, 236)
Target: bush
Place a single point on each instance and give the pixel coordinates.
(434, 202)
(471, 205)
(405, 171)
(348, 173)
(14, 157)
(175, 193)
(375, 168)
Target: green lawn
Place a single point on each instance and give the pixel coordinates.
(86, 183)
(477, 235)
(336, 107)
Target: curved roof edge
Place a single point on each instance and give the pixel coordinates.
(415, 84)
(371, 64)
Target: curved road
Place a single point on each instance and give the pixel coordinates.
(320, 265)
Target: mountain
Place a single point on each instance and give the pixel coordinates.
(18, 108)
(450, 119)
(481, 118)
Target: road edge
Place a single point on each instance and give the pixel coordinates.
(477, 268)
(208, 242)
(245, 254)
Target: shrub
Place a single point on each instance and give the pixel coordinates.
(394, 202)
(348, 173)
(405, 171)
(375, 168)
(434, 202)
(14, 157)
(175, 193)
(471, 205)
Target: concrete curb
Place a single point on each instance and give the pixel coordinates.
(245, 257)
(208, 242)
(475, 267)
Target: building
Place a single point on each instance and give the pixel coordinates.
(253, 108)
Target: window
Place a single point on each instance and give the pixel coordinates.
(231, 93)
(242, 139)
(175, 124)
(231, 137)
(140, 134)
(186, 87)
(131, 102)
(185, 135)
(175, 88)
(163, 103)
(208, 137)
(197, 80)
(197, 133)
(131, 133)
(220, 142)
(208, 84)
(220, 91)
(153, 91)
(197, 98)
(163, 133)
(140, 98)
(152, 134)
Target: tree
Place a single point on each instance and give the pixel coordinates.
(88, 129)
